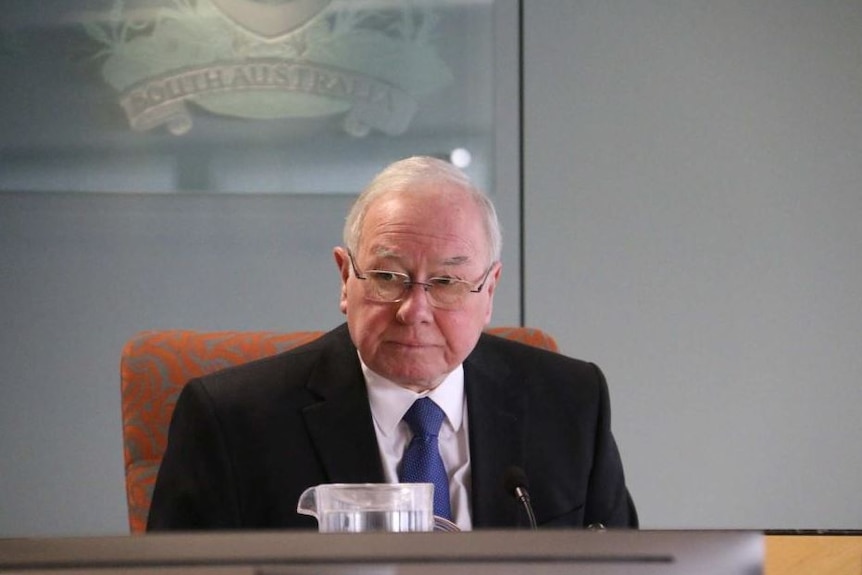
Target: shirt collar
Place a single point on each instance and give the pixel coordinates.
(389, 401)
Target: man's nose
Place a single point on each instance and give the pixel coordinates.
(416, 305)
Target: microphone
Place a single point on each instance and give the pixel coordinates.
(515, 483)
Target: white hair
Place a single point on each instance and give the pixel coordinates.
(401, 177)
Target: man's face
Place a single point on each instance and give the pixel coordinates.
(422, 235)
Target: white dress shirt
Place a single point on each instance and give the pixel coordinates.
(389, 402)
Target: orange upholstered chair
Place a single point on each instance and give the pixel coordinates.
(155, 365)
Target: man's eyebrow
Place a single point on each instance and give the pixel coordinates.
(456, 261)
(384, 253)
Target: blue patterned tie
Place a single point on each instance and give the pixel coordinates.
(422, 462)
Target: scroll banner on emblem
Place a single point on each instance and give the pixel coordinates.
(162, 100)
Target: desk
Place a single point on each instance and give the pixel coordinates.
(500, 553)
(547, 552)
(813, 555)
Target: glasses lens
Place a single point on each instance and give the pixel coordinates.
(446, 293)
(386, 286)
(391, 287)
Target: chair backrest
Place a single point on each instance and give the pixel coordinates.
(154, 367)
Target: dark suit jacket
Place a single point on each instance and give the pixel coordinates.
(245, 442)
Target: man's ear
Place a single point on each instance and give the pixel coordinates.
(342, 260)
(493, 278)
(491, 287)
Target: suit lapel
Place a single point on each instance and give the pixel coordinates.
(495, 404)
(340, 424)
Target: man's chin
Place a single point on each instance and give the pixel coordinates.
(418, 379)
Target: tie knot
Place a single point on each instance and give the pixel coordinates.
(424, 417)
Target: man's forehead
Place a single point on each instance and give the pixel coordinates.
(391, 253)
(397, 221)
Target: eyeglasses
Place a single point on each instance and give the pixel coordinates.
(391, 287)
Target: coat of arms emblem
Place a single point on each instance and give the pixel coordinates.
(271, 59)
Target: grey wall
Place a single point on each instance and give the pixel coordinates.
(692, 174)
(693, 178)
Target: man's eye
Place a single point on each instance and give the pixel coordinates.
(443, 282)
(387, 277)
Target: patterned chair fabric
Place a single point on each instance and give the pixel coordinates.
(155, 365)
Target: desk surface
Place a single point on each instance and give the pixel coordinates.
(813, 555)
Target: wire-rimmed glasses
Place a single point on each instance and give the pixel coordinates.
(384, 286)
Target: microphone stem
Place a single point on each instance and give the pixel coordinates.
(524, 498)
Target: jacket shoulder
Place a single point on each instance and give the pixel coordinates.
(284, 370)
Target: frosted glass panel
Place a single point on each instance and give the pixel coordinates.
(243, 96)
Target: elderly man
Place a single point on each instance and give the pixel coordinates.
(419, 267)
